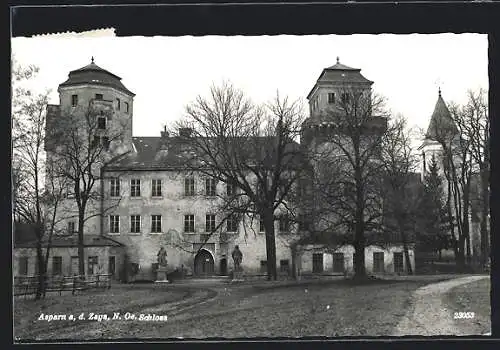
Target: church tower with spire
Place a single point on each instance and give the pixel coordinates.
(441, 129)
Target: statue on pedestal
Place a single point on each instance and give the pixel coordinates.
(162, 265)
(237, 256)
(162, 257)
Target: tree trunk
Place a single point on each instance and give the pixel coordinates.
(485, 208)
(270, 247)
(81, 250)
(359, 252)
(439, 255)
(409, 268)
(293, 250)
(40, 290)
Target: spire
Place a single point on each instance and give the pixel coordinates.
(92, 59)
(338, 60)
(441, 123)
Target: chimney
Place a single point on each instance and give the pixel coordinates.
(185, 132)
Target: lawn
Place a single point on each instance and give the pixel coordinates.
(332, 309)
(472, 297)
(120, 297)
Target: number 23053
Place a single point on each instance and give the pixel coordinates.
(463, 315)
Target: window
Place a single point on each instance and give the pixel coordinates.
(105, 142)
(262, 227)
(189, 223)
(126, 106)
(156, 188)
(345, 97)
(210, 187)
(232, 223)
(112, 265)
(135, 223)
(398, 262)
(56, 265)
(101, 123)
(98, 96)
(135, 188)
(118, 104)
(284, 224)
(331, 97)
(114, 187)
(92, 267)
(23, 265)
(231, 189)
(189, 186)
(156, 223)
(378, 262)
(71, 227)
(74, 100)
(304, 223)
(210, 223)
(317, 262)
(114, 224)
(263, 266)
(338, 262)
(284, 265)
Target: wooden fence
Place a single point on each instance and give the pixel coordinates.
(28, 285)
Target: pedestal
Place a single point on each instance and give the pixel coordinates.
(161, 275)
(237, 276)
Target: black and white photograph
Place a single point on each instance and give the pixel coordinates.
(197, 187)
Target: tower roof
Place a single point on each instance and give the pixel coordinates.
(93, 74)
(340, 74)
(441, 123)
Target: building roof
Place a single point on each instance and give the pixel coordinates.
(93, 74)
(89, 240)
(340, 73)
(172, 152)
(441, 123)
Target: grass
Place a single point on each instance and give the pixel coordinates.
(472, 297)
(330, 309)
(118, 298)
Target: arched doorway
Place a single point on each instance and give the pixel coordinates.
(203, 263)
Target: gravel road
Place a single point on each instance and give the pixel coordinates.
(428, 315)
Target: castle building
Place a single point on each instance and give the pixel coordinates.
(151, 201)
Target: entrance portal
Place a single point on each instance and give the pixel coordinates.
(203, 263)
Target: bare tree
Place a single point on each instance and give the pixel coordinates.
(347, 160)
(36, 201)
(249, 148)
(82, 145)
(401, 201)
(473, 121)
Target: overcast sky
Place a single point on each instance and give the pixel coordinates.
(166, 73)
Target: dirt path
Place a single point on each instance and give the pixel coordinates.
(428, 315)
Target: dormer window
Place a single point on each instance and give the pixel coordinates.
(74, 100)
(98, 97)
(101, 123)
(331, 97)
